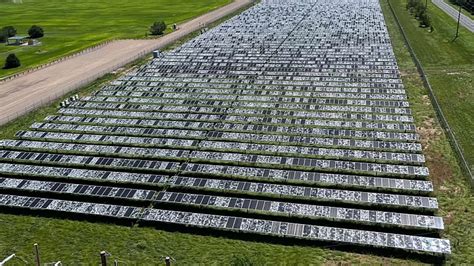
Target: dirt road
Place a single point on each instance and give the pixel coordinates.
(25, 93)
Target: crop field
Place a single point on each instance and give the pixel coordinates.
(71, 26)
(301, 131)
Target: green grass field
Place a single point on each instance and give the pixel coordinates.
(71, 26)
(452, 188)
(75, 242)
(450, 69)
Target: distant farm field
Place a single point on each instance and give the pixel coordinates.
(71, 26)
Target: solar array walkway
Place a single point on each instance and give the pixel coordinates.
(288, 120)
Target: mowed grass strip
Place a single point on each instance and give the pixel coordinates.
(452, 187)
(71, 26)
(449, 66)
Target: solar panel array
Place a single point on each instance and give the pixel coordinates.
(282, 120)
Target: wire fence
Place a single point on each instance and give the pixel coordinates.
(71, 87)
(444, 123)
(22, 73)
(188, 28)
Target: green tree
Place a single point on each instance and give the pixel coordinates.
(9, 31)
(425, 20)
(36, 32)
(12, 61)
(158, 28)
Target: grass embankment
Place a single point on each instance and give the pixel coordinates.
(450, 68)
(452, 187)
(71, 26)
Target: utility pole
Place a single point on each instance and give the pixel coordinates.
(457, 27)
(37, 255)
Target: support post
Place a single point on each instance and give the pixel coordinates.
(103, 258)
(37, 255)
(168, 261)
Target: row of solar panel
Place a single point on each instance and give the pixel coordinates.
(288, 90)
(180, 120)
(237, 104)
(301, 113)
(309, 193)
(283, 124)
(222, 157)
(323, 233)
(242, 79)
(293, 151)
(278, 207)
(94, 135)
(271, 132)
(332, 98)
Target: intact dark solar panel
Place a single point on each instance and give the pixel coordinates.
(173, 197)
(232, 202)
(179, 197)
(56, 158)
(153, 179)
(160, 195)
(129, 212)
(196, 182)
(253, 204)
(136, 163)
(199, 199)
(88, 160)
(205, 200)
(107, 191)
(230, 222)
(125, 193)
(238, 222)
(46, 204)
(34, 202)
(240, 186)
(95, 191)
(203, 182)
(78, 188)
(101, 191)
(246, 186)
(83, 189)
(266, 173)
(246, 204)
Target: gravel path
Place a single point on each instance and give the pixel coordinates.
(25, 93)
(465, 20)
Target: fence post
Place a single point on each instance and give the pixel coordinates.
(103, 258)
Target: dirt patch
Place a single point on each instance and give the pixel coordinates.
(426, 100)
(429, 132)
(449, 217)
(440, 170)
